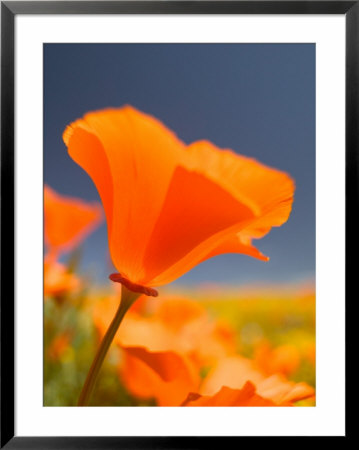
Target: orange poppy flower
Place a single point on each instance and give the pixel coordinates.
(58, 280)
(235, 371)
(170, 206)
(67, 221)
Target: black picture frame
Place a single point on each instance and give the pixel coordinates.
(9, 9)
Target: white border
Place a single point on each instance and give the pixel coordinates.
(327, 418)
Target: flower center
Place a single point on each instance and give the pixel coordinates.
(134, 287)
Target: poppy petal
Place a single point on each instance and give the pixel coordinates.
(183, 226)
(153, 375)
(236, 244)
(235, 371)
(131, 158)
(229, 397)
(267, 191)
(263, 198)
(167, 365)
(67, 220)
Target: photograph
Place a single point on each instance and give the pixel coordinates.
(179, 215)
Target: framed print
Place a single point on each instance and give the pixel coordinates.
(177, 188)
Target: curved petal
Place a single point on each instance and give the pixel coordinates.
(235, 371)
(67, 220)
(131, 158)
(264, 194)
(229, 397)
(267, 191)
(87, 151)
(168, 365)
(196, 210)
(237, 243)
(152, 375)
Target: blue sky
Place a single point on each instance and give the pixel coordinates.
(257, 99)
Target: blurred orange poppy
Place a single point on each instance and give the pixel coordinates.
(165, 376)
(170, 206)
(235, 371)
(67, 221)
(58, 280)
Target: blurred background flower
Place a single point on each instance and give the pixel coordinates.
(67, 222)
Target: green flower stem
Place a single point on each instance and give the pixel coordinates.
(127, 299)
